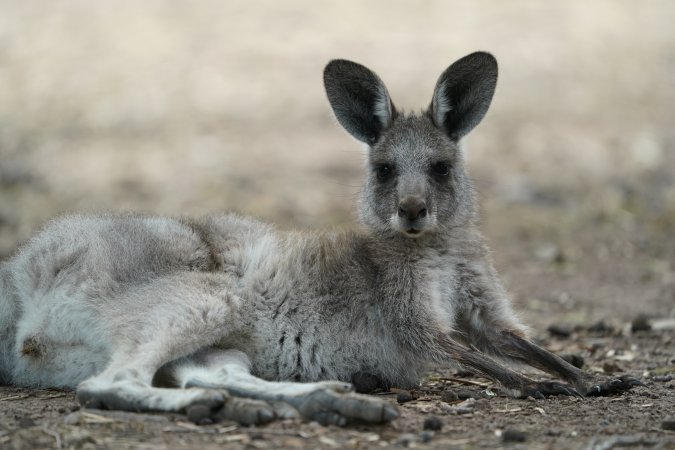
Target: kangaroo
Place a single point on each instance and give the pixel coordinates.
(144, 313)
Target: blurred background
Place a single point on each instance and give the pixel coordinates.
(185, 108)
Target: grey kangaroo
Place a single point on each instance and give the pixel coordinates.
(162, 314)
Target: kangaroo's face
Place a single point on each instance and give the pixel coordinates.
(416, 181)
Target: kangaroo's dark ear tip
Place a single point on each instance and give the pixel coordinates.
(339, 61)
(482, 54)
(483, 58)
(339, 65)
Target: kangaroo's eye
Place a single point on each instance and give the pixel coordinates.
(384, 172)
(441, 169)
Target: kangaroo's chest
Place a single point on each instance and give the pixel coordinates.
(304, 325)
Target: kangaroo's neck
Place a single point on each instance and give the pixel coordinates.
(361, 253)
(455, 240)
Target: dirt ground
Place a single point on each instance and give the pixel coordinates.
(189, 107)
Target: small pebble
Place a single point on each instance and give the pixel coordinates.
(26, 422)
(601, 327)
(611, 367)
(433, 423)
(406, 439)
(73, 418)
(403, 396)
(449, 396)
(463, 394)
(199, 415)
(662, 378)
(595, 346)
(668, 423)
(512, 435)
(560, 331)
(575, 359)
(482, 403)
(426, 436)
(550, 253)
(641, 323)
(648, 394)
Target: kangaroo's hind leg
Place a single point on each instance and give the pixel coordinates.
(162, 321)
(327, 402)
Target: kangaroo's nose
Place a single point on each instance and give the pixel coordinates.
(412, 208)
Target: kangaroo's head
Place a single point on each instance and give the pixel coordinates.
(416, 182)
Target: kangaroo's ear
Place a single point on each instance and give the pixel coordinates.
(463, 94)
(359, 99)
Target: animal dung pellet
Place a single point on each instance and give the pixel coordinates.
(433, 423)
(511, 435)
(449, 396)
(404, 396)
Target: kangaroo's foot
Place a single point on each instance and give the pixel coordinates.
(327, 402)
(614, 386)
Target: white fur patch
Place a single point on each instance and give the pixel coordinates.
(440, 298)
(440, 105)
(383, 106)
(257, 255)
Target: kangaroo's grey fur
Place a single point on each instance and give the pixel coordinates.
(126, 308)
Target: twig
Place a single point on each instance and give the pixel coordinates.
(301, 434)
(55, 435)
(463, 381)
(508, 410)
(59, 395)
(620, 441)
(15, 397)
(96, 418)
(661, 430)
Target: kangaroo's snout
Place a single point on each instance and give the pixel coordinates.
(412, 208)
(413, 216)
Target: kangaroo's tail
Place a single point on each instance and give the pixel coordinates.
(9, 311)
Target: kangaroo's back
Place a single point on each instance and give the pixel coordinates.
(60, 293)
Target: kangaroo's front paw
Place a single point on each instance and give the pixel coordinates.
(543, 389)
(330, 406)
(614, 386)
